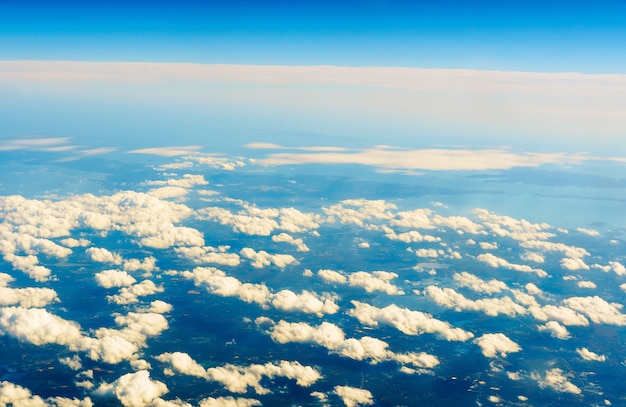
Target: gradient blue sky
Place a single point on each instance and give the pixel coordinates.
(471, 106)
(545, 36)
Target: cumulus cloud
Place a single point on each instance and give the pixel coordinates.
(255, 221)
(555, 379)
(332, 337)
(25, 297)
(375, 281)
(360, 211)
(555, 329)
(102, 255)
(15, 395)
(332, 276)
(238, 379)
(133, 389)
(130, 294)
(495, 261)
(307, 302)
(449, 298)
(586, 284)
(586, 354)
(597, 309)
(219, 283)
(228, 401)
(407, 321)
(208, 254)
(352, 396)
(262, 258)
(114, 278)
(465, 279)
(498, 344)
(286, 238)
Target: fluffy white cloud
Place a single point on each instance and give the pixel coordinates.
(332, 276)
(407, 321)
(352, 396)
(228, 401)
(238, 379)
(495, 261)
(133, 389)
(427, 253)
(168, 192)
(307, 302)
(555, 329)
(25, 297)
(262, 258)
(449, 298)
(575, 263)
(220, 284)
(262, 222)
(586, 354)
(586, 284)
(597, 309)
(533, 256)
(498, 344)
(17, 396)
(375, 281)
(130, 294)
(114, 278)
(102, 255)
(360, 211)
(286, 238)
(465, 279)
(555, 379)
(211, 255)
(331, 337)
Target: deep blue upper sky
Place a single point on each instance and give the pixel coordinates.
(580, 36)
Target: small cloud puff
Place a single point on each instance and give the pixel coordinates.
(498, 344)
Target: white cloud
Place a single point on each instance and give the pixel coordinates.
(168, 192)
(168, 151)
(208, 254)
(284, 237)
(573, 264)
(532, 256)
(426, 253)
(597, 309)
(449, 298)
(555, 329)
(586, 354)
(114, 278)
(425, 159)
(332, 276)
(102, 255)
(496, 262)
(133, 389)
(237, 379)
(589, 232)
(352, 396)
(228, 401)
(360, 211)
(488, 246)
(73, 362)
(331, 337)
(25, 297)
(375, 281)
(587, 284)
(465, 279)
(17, 396)
(407, 321)
(307, 302)
(556, 380)
(262, 258)
(130, 294)
(498, 344)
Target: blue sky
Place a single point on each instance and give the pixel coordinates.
(472, 106)
(579, 36)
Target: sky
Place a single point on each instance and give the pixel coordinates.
(489, 98)
(578, 36)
